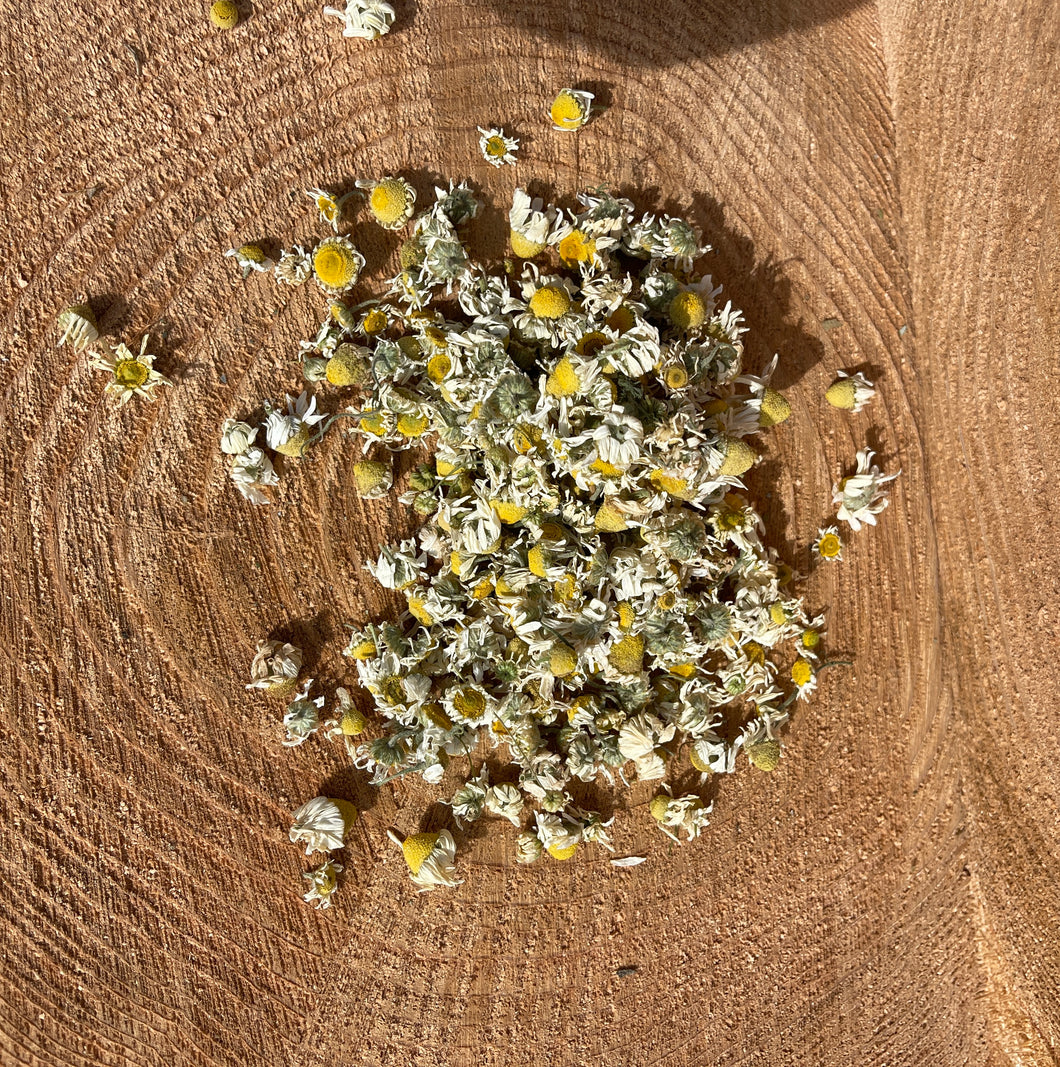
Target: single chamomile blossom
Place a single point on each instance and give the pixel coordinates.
(850, 392)
(275, 667)
(289, 433)
(323, 881)
(687, 813)
(131, 375)
(571, 109)
(528, 847)
(294, 267)
(366, 19)
(322, 824)
(337, 265)
(391, 201)
(249, 258)
(78, 326)
(328, 205)
(497, 147)
(430, 859)
(252, 473)
(302, 717)
(861, 497)
(828, 545)
(530, 225)
(506, 801)
(237, 437)
(804, 677)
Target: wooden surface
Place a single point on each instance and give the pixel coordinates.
(888, 897)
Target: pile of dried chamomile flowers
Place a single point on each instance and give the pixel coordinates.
(590, 595)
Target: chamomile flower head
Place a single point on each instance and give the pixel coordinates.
(828, 545)
(804, 676)
(570, 109)
(237, 437)
(321, 824)
(289, 432)
(430, 858)
(850, 392)
(302, 717)
(224, 14)
(337, 265)
(391, 201)
(294, 267)
(131, 374)
(366, 19)
(78, 327)
(861, 497)
(275, 667)
(252, 474)
(497, 147)
(328, 205)
(323, 881)
(250, 258)
(530, 225)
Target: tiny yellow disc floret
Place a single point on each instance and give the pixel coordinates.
(224, 14)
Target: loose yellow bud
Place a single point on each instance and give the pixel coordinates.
(739, 458)
(765, 755)
(775, 409)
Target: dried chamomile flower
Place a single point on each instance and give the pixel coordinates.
(337, 265)
(804, 677)
(252, 473)
(224, 14)
(367, 19)
(570, 110)
(528, 847)
(295, 266)
(828, 545)
(687, 813)
(328, 205)
(131, 374)
(275, 667)
(430, 859)
(530, 225)
(322, 824)
(289, 433)
(497, 147)
(250, 258)
(850, 392)
(323, 881)
(390, 200)
(861, 497)
(372, 478)
(349, 721)
(506, 801)
(237, 437)
(302, 717)
(78, 326)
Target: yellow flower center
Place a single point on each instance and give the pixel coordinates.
(563, 381)
(327, 207)
(550, 302)
(829, 546)
(336, 266)
(373, 422)
(438, 367)
(524, 248)
(374, 322)
(668, 483)
(765, 755)
(567, 111)
(591, 343)
(659, 806)
(496, 148)
(683, 670)
(675, 376)
(667, 601)
(470, 703)
(413, 425)
(131, 373)
(558, 853)
(566, 587)
(251, 252)
(577, 247)
(609, 519)
(621, 319)
(418, 610)
(363, 650)
(810, 638)
(436, 716)
(842, 394)
(755, 653)
(687, 311)
(525, 439)
(295, 445)
(627, 655)
(353, 722)
(562, 660)
(389, 201)
(537, 561)
(801, 672)
(626, 615)
(778, 614)
(775, 409)
(224, 14)
(348, 366)
(739, 458)
(507, 511)
(417, 848)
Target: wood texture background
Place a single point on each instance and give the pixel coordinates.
(888, 897)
